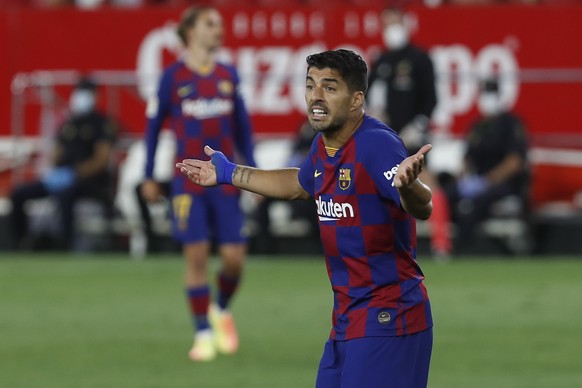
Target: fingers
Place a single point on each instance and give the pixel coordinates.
(190, 170)
(208, 151)
(425, 149)
(409, 171)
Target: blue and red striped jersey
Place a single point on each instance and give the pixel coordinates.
(369, 241)
(202, 109)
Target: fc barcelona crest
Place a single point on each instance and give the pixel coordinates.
(345, 178)
(225, 87)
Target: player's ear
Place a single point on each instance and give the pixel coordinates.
(358, 100)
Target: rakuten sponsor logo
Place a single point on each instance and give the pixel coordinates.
(328, 210)
(203, 108)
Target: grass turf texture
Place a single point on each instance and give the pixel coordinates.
(107, 321)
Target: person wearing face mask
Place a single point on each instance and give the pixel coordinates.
(407, 99)
(495, 163)
(79, 168)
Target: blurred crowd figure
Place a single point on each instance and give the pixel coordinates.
(495, 166)
(80, 168)
(405, 101)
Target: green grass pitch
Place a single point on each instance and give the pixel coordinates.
(108, 321)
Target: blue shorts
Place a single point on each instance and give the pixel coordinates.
(376, 362)
(211, 215)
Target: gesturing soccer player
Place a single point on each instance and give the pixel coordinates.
(201, 99)
(367, 194)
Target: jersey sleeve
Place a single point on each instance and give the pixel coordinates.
(157, 110)
(307, 168)
(243, 134)
(384, 152)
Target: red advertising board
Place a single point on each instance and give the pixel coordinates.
(537, 47)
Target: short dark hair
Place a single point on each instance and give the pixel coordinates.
(188, 19)
(351, 66)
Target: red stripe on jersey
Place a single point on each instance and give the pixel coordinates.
(364, 183)
(329, 240)
(407, 267)
(183, 74)
(349, 150)
(378, 239)
(357, 323)
(192, 147)
(359, 272)
(211, 127)
(386, 297)
(415, 316)
(227, 146)
(349, 219)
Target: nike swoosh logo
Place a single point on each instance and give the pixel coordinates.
(317, 173)
(184, 90)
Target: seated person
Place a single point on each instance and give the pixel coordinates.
(495, 164)
(80, 166)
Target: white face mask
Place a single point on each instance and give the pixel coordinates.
(489, 104)
(395, 36)
(82, 102)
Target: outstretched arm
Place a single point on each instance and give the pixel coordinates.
(280, 183)
(415, 196)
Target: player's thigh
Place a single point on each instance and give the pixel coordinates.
(388, 362)
(227, 218)
(189, 218)
(329, 373)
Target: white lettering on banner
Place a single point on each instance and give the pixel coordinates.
(333, 211)
(149, 57)
(371, 24)
(273, 77)
(351, 24)
(458, 75)
(279, 25)
(203, 108)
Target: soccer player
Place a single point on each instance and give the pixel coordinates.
(201, 99)
(367, 194)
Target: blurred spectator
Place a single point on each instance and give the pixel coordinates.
(407, 98)
(495, 165)
(80, 167)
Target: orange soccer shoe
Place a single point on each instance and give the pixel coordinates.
(225, 335)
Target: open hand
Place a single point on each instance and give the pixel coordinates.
(201, 172)
(411, 167)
